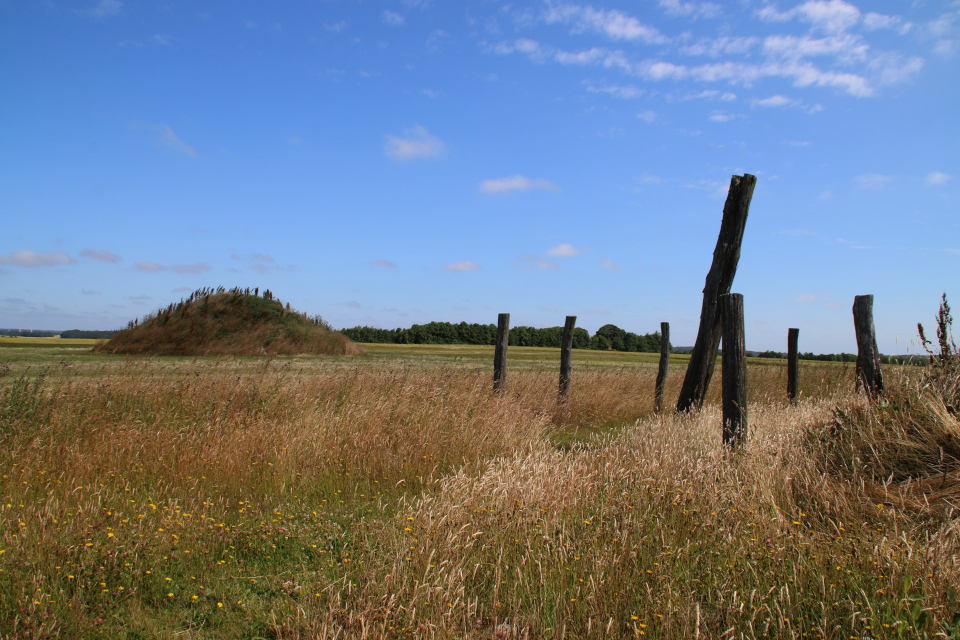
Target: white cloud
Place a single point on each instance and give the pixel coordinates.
(715, 47)
(386, 264)
(873, 21)
(872, 180)
(392, 19)
(624, 92)
(615, 25)
(648, 179)
(606, 264)
(564, 250)
(832, 16)
(336, 27)
(102, 255)
(418, 143)
(461, 266)
(170, 139)
(582, 57)
(936, 178)
(149, 267)
(648, 116)
(720, 116)
(433, 94)
(774, 101)
(516, 183)
(27, 258)
(695, 9)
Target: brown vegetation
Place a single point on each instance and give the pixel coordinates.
(235, 322)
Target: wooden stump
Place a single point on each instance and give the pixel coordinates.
(734, 372)
(662, 369)
(500, 354)
(566, 352)
(869, 376)
(793, 365)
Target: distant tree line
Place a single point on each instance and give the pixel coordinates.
(81, 333)
(28, 333)
(843, 357)
(607, 337)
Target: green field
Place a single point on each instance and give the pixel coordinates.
(393, 495)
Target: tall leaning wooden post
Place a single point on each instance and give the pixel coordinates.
(719, 280)
(500, 354)
(566, 352)
(793, 365)
(869, 376)
(662, 369)
(733, 371)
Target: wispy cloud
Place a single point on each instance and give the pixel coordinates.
(106, 9)
(624, 92)
(690, 9)
(386, 264)
(937, 178)
(564, 251)
(648, 116)
(614, 24)
(832, 16)
(461, 266)
(872, 180)
(392, 19)
(27, 258)
(773, 101)
(170, 139)
(148, 267)
(516, 183)
(102, 255)
(606, 264)
(417, 143)
(196, 267)
(535, 263)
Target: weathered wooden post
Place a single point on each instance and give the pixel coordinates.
(719, 280)
(793, 365)
(500, 354)
(734, 371)
(869, 376)
(566, 366)
(662, 369)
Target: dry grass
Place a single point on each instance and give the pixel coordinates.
(242, 499)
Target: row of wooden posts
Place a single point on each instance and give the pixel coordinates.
(733, 368)
(721, 317)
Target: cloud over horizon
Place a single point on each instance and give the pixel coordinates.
(27, 258)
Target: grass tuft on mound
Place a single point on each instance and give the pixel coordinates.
(235, 322)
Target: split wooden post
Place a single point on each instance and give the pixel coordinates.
(734, 372)
(566, 353)
(726, 255)
(869, 376)
(662, 369)
(500, 354)
(793, 365)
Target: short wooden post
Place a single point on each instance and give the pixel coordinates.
(734, 371)
(793, 365)
(726, 255)
(869, 376)
(662, 369)
(500, 354)
(566, 353)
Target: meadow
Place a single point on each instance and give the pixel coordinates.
(393, 495)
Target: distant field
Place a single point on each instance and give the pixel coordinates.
(47, 342)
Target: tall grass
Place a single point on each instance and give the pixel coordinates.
(389, 500)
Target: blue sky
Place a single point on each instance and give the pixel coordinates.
(400, 161)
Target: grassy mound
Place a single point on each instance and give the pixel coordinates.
(235, 322)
